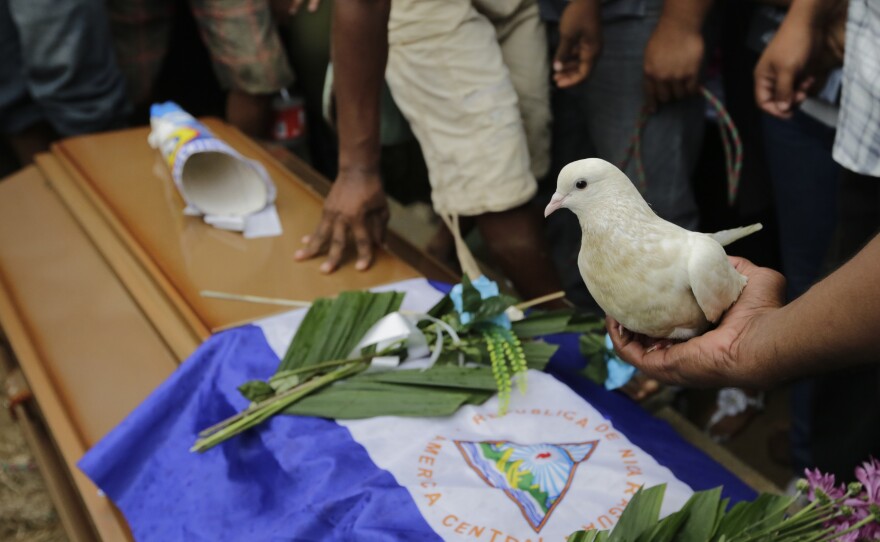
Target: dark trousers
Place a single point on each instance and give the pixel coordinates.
(846, 404)
(805, 188)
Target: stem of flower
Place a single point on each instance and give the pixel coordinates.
(270, 407)
(334, 363)
(792, 522)
(855, 527)
(819, 535)
(803, 528)
(309, 368)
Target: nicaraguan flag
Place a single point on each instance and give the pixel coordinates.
(568, 455)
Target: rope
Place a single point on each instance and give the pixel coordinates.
(733, 152)
(465, 257)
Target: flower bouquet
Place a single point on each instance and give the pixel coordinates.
(832, 513)
(359, 356)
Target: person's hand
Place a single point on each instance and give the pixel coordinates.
(355, 208)
(296, 4)
(781, 78)
(286, 8)
(580, 40)
(723, 356)
(673, 57)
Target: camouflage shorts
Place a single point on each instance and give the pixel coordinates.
(240, 35)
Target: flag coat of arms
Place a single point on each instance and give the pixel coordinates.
(566, 456)
(535, 477)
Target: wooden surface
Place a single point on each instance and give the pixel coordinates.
(88, 352)
(131, 186)
(722, 455)
(180, 329)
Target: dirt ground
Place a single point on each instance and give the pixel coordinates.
(26, 512)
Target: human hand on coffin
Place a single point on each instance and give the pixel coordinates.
(355, 210)
(724, 356)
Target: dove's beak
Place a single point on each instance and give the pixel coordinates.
(555, 203)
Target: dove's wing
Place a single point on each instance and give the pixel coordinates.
(714, 282)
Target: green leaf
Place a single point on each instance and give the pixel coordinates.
(333, 327)
(591, 344)
(441, 308)
(584, 322)
(539, 323)
(301, 345)
(492, 307)
(766, 510)
(256, 390)
(701, 522)
(538, 353)
(476, 353)
(592, 347)
(596, 370)
(351, 400)
(667, 529)
(640, 515)
(449, 376)
(588, 536)
(536, 324)
(470, 296)
(479, 397)
(722, 510)
(284, 380)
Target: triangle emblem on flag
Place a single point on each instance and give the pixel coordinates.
(535, 477)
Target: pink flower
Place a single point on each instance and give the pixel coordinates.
(869, 475)
(854, 508)
(823, 482)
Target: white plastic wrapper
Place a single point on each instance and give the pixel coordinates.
(226, 189)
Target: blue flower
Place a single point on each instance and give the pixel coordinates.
(487, 289)
(619, 371)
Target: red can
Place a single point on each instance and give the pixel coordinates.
(290, 119)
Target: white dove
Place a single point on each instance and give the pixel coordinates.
(652, 276)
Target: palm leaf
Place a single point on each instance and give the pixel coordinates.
(353, 399)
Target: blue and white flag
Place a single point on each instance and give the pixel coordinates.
(568, 455)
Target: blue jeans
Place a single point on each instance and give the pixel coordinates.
(805, 184)
(57, 65)
(598, 117)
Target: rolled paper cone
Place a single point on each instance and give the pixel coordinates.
(212, 177)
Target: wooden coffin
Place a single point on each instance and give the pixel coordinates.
(100, 275)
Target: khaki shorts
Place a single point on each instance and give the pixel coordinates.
(472, 79)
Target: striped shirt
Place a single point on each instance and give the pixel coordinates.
(857, 145)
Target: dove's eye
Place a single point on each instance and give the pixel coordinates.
(581, 184)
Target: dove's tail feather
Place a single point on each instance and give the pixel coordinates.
(725, 237)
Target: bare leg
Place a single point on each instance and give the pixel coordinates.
(442, 244)
(30, 141)
(518, 248)
(250, 113)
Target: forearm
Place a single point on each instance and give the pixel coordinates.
(360, 51)
(686, 14)
(834, 324)
(810, 13)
